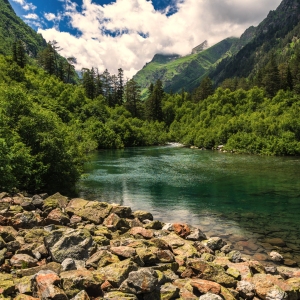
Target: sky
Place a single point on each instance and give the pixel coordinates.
(128, 33)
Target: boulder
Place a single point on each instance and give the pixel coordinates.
(156, 225)
(215, 243)
(7, 286)
(121, 211)
(143, 215)
(183, 230)
(53, 266)
(168, 291)
(55, 201)
(205, 286)
(25, 220)
(23, 261)
(235, 256)
(140, 231)
(35, 236)
(76, 244)
(119, 296)
(23, 285)
(68, 264)
(114, 222)
(246, 289)
(196, 235)
(82, 295)
(275, 256)
(165, 256)
(123, 251)
(168, 226)
(276, 293)
(210, 296)
(92, 211)
(140, 282)
(116, 273)
(57, 217)
(211, 271)
(106, 258)
(77, 280)
(46, 286)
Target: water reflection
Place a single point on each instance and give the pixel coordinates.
(229, 195)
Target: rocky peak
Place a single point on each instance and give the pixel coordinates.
(203, 46)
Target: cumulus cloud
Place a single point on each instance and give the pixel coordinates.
(50, 16)
(31, 16)
(127, 33)
(25, 5)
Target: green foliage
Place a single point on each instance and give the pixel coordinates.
(13, 29)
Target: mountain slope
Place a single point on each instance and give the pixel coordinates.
(183, 72)
(12, 28)
(276, 34)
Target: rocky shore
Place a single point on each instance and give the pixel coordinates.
(59, 248)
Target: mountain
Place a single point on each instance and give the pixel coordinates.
(183, 72)
(13, 28)
(277, 34)
(200, 48)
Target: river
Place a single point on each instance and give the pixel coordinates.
(251, 201)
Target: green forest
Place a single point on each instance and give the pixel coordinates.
(50, 119)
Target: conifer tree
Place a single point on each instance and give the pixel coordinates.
(133, 98)
(154, 102)
(271, 78)
(204, 90)
(120, 89)
(19, 55)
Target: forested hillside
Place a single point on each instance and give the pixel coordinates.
(50, 119)
(277, 35)
(177, 73)
(12, 28)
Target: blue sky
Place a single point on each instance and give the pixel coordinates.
(127, 33)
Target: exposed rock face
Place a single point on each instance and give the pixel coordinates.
(88, 250)
(203, 46)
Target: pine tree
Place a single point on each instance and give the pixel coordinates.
(133, 98)
(19, 55)
(204, 90)
(120, 89)
(88, 82)
(99, 84)
(71, 61)
(271, 77)
(106, 84)
(154, 102)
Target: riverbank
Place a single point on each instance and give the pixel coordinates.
(57, 248)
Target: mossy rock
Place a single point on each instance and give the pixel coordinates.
(7, 286)
(233, 273)
(55, 201)
(119, 296)
(35, 236)
(23, 284)
(101, 240)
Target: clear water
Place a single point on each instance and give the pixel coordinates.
(238, 197)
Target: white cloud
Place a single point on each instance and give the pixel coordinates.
(25, 5)
(50, 16)
(193, 22)
(31, 16)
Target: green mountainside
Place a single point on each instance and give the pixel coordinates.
(183, 72)
(277, 34)
(13, 28)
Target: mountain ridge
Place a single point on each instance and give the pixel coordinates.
(13, 28)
